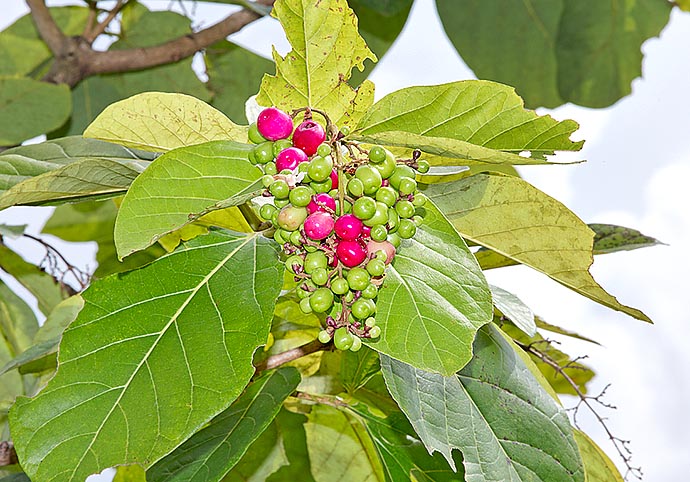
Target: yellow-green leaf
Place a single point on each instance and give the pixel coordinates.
(158, 121)
(598, 466)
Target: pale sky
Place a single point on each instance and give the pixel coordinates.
(638, 154)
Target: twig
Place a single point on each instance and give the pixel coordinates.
(100, 28)
(46, 26)
(91, 19)
(274, 361)
(52, 266)
(622, 446)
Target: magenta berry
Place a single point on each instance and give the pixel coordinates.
(308, 136)
(334, 179)
(348, 227)
(290, 158)
(350, 253)
(321, 202)
(318, 225)
(366, 231)
(274, 124)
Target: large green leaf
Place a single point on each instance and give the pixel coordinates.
(183, 331)
(338, 444)
(470, 120)
(494, 411)
(29, 108)
(357, 368)
(581, 51)
(214, 450)
(181, 186)
(43, 286)
(326, 46)
(234, 75)
(158, 121)
(516, 220)
(434, 299)
(598, 466)
(67, 169)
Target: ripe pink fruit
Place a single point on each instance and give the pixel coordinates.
(388, 248)
(320, 202)
(366, 231)
(350, 253)
(318, 225)
(274, 124)
(308, 136)
(289, 158)
(334, 179)
(348, 227)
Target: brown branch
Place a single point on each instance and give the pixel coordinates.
(141, 58)
(274, 361)
(46, 26)
(8, 456)
(100, 28)
(90, 20)
(622, 446)
(52, 267)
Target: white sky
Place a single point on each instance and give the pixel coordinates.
(639, 165)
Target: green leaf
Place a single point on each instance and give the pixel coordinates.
(67, 169)
(20, 477)
(214, 450)
(514, 309)
(357, 368)
(183, 330)
(598, 466)
(339, 444)
(433, 300)
(470, 120)
(130, 473)
(18, 324)
(543, 325)
(581, 51)
(292, 328)
(41, 353)
(326, 46)
(159, 122)
(494, 411)
(291, 430)
(609, 238)
(263, 458)
(380, 23)
(403, 456)
(44, 287)
(23, 112)
(515, 219)
(181, 186)
(12, 231)
(234, 75)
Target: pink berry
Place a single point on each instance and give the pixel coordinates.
(388, 248)
(350, 253)
(334, 179)
(348, 227)
(366, 231)
(274, 124)
(289, 158)
(318, 225)
(308, 136)
(321, 202)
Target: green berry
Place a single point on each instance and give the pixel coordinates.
(321, 300)
(267, 211)
(364, 208)
(370, 177)
(305, 305)
(423, 167)
(323, 150)
(370, 322)
(401, 171)
(254, 136)
(381, 255)
(315, 260)
(294, 264)
(417, 220)
(355, 187)
(280, 189)
(339, 286)
(264, 152)
(405, 209)
(296, 238)
(267, 180)
(419, 200)
(394, 239)
(375, 267)
(407, 229)
(370, 292)
(342, 338)
(324, 337)
(407, 186)
(361, 309)
(380, 215)
(349, 296)
(324, 186)
(379, 232)
(305, 289)
(387, 167)
(281, 203)
(377, 154)
(393, 220)
(280, 145)
(375, 331)
(278, 237)
(387, 195)
(345, 131)
(358, 279)
(320, 168)
(301, 196)
(319, 276)
(356, 343)
(252, 157)
(270, 168)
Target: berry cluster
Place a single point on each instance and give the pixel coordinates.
(339, 211)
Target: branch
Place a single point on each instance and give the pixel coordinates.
(274, 361)
(46, 26)
(100, 28)
(622, 446)
(141, 58)
(51, 262)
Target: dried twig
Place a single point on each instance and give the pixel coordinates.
(56, 265)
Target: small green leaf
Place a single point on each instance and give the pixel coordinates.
(183, 330)
(514, 309)
(180, 187)
(516, 220)
(609, 238)
(357, 368)
(471, 120)
(214, 450)
(23, 112)
(44, 287)
(291, 430)
(326, 46)
(338, 444)
(433, 300)
(234, 75)
(12, 231)
(598, 466)
(543, 325)
(494, 411)
(159, 122)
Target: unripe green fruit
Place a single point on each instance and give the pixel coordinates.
(324, 186)
(345, 130)
(291, 217)
(321, 300)
(381, 255)
(377, 154)
(370, 322)
(267, 211)
(270, 168)
(423, 166)
(405, 209)
(419, 200)
(376, 267)
(394, 239)
(386, 167)
(407, 186)
(294, 264)
(355, 187)
(356, 343)
(280, 189)
(301, 196)
(267, 180)
(387, 195)
(378, 232)
(349, 296)
(305, 305)
(305, 289)
(407, 229)
(358, 279)
(324, 337)
(264, 152)
(339, 286)
(393, 220)
(370, 177)
(278, 236)
(401, 171)
(315, 260)
(342, 338)
(320, 168)
(361, 309)
(320, 276)
(280, 145)
(254, 136)
(370, 292)
(380, 215)
(281, 203)
(364, 208)
(375, 331)
(323, 150)
(296, 238)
